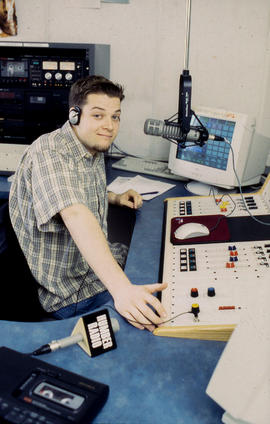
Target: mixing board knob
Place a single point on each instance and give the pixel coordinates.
(195, 309)
(211, 291)
(230, 265)
(194, 292)
(232, 248)
(233, 256)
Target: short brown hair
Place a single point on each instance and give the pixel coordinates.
(93, 84)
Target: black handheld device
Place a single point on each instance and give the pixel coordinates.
(31, 388)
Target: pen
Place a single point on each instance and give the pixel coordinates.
(149, 192)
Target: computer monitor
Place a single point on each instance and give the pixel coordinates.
(213, 164)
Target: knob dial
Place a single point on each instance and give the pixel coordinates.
(58, 76)
(68, 76)
(194, 292)
(211, 292)
(48, 76)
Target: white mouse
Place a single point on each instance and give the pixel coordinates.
(190, 230)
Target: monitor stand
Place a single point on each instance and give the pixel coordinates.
(201, 189)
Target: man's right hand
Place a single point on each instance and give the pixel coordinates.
(137, 304)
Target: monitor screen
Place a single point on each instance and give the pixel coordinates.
(214, 153)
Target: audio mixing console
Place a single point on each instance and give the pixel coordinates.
(212, 279)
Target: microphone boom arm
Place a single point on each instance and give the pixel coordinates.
(185, 87)
(178, 128)
(185, 83)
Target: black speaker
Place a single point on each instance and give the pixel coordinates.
(74, 115)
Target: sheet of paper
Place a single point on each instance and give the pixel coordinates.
(141, 185)
(240, 382)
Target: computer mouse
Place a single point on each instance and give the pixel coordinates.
(191, 230)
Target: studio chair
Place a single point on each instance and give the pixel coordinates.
(121, 222)
(19, 290)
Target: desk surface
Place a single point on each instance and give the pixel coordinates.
(152, 379)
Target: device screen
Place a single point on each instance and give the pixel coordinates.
(214, 153)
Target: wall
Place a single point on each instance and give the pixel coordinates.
(229, 55)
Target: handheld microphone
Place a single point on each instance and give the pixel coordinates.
(94, 333)
(172, 130)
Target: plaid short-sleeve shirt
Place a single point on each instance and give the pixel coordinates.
(55, 172)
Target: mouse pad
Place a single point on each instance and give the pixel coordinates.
(216, 224)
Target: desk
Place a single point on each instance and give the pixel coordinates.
(152, 380)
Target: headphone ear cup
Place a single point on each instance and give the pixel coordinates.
(74, 115)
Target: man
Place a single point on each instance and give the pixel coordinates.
(58, 209)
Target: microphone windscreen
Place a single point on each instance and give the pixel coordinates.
(153, 127)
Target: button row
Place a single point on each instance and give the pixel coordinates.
(185, 208)
(233, 256)
(250, 202)
(18, 415)
(188, 260)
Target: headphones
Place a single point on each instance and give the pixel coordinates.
(74, 115)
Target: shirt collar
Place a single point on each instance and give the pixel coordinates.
(73, 145)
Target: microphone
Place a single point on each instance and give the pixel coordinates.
(172, 130)
(94, 333)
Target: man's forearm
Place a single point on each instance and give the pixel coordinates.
(135, 302)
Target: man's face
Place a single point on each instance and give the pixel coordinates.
(99, 122)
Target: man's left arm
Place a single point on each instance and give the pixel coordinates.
(130, 199)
